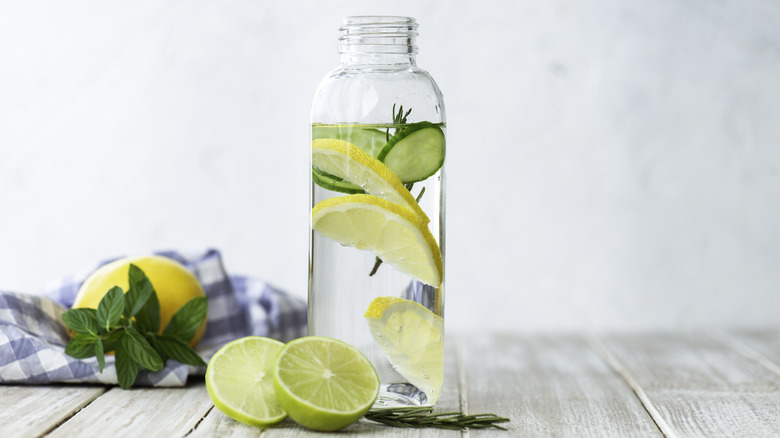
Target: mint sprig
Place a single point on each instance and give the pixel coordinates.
(128, 324)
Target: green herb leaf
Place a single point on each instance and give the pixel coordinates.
(139, 292)
(148, 318)
(112, 339)
(101, 358)
(128, 324)
(126, 368)
(188, 319)
(81, 346)
(82, 320)
(176, 349)
(140, 351)
(109, 311)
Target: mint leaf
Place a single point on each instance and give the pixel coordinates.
(111, 340)
(81, 320)
(139, 292)
(140, 351)
(148, 318)
(174, 348)
(81, 346)
(188, 319)
(109, 311)
(126, 368)
(99, 354)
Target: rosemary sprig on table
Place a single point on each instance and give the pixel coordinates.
(424, 417)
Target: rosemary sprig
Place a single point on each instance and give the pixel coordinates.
(420, 195)
(424, 417)
(399, 118)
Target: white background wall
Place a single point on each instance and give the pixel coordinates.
(611, 164)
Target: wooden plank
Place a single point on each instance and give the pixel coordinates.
(218, 424)
(140, 412)
(696, 385)
(760, 345)
(549, 386)
(31, 411)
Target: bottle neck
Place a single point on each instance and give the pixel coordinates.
(378, 41)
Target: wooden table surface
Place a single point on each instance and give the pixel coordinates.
(707, 384)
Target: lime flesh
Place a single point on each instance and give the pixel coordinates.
(239, 380)
(323, 383)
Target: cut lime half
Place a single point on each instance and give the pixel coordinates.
(239, 380)
(323, 383)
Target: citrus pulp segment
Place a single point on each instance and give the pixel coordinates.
(239, 380)
(349, 163)
(412, 338)
(323, 383)
(392, 232)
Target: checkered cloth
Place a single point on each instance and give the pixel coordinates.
(33, 337)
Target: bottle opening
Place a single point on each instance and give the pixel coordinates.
(378, 34)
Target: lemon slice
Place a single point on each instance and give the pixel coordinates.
(323, 383)
(412, 338)
(392, 232)
(349, 163)
(239, 380)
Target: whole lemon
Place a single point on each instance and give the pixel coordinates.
(174, 284)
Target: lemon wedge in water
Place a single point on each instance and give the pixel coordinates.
(392, 232)
(349, 163)
(412, 338)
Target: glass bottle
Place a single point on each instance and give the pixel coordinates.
(376, 276)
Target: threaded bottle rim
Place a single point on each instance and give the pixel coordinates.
(378, 34)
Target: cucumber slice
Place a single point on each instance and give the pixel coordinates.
(334, 183)
(415, 153)
(370, 140)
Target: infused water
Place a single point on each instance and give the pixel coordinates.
(376, 259)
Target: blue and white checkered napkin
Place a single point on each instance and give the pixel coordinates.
(33, 337)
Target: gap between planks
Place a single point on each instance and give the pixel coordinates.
(745, 350)
(73, 413)
(621, 370)
(732, 343)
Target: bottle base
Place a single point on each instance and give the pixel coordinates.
(398, 395)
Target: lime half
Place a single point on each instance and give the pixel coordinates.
(412, 338)
(323, 383)
(239, 379)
